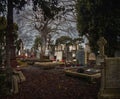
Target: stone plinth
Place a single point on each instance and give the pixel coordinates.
(110, 85)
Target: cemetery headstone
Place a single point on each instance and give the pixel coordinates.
(51, 57)
(38, 54)
(92, 60)
(80, 56)
(46, 52)
(87, 51)
(101, 43)
(59, 56)
(69, 56)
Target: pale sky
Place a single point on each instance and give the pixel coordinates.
(27, 33)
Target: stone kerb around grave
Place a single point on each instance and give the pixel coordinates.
(110, 88)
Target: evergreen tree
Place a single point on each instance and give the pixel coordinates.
(64, 40)
(98, 18)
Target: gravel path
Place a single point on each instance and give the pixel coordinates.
(53, 84)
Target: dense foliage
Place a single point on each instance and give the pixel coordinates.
(68, 40)
(49, 7)
(63, 40)
(98, 18)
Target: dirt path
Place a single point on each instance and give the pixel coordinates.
(53, 84)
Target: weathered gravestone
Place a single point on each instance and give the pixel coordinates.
(51, 56)
(59, 56)
(69, 57)
(100, 58)
(38, 54)
(110, 80)
(110, 85)
(92, 60)
(80, 56)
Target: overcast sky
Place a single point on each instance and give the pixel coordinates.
(27, 33)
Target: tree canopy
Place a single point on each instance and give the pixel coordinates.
(98, 18)
(64, 40)
(3, 26)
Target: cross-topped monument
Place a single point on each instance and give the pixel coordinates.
(110, 74)
(101, 43)
(100, 58)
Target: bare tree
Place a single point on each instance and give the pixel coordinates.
(62, 23)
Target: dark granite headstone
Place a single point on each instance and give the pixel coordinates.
(80, 56)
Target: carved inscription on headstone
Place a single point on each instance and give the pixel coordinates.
(112, 74)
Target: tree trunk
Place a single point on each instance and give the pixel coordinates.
(9, 42)
(43, 49)
(10, 48)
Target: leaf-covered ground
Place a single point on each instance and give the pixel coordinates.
(53, 84)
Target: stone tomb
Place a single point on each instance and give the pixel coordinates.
(110, 84)
(90, 74)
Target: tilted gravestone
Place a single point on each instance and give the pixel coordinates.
(110, 78)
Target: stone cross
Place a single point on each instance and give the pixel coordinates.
(101, 43)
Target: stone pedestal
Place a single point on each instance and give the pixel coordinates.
(110, 85)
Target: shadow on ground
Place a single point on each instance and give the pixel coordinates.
(53, 84)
